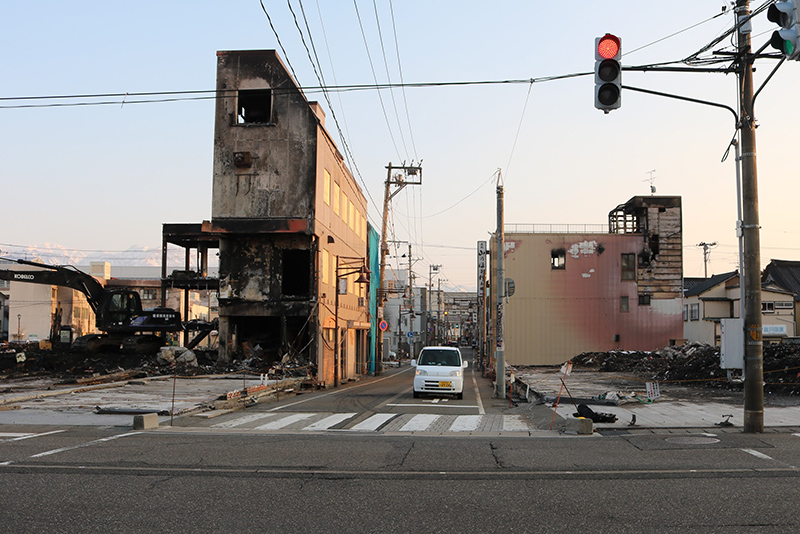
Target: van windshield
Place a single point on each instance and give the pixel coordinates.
(447, 358)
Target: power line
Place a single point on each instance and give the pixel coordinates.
(400, 70)
(375, 77)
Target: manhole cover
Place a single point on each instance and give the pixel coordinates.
(692, 440)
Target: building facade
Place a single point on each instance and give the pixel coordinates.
(578, 291)
(291, 224)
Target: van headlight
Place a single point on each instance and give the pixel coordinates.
(422, 372)
(455, 373)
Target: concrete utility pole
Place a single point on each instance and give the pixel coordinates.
(706, 246)
(431, 269)
(410, 175)
(753, 349)
(500, 369)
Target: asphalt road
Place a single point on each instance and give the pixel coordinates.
(192, 478)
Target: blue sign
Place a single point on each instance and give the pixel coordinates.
(410, 334)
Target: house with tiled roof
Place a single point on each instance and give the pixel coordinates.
(709, 300)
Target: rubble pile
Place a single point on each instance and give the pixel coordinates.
(697, 364)
(71, 366)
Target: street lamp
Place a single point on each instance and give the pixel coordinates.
(344, 268)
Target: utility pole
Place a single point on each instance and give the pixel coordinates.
(410, 175)
(706, 246)
(500, 369)
(751, 279)
(410, 296)
(428, 314)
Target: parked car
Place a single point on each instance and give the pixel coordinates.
(439, 370)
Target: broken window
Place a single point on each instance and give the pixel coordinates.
(254, 106)
(623, 304)
(644, 300)
(558, 259)
(296, 279)
(629, 266)
(654, 249)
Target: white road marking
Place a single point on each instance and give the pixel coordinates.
(466, 423)
(285, 421)
(87, 444)
(419, 422)
(374, 422)
(20, 437)
(439, 406)
(758, 454)
(514, 423)
(330, 421)
(242, 420)
(478, 395)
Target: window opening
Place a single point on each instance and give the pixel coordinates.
(254, 106)
(558, 259)
(296, 279)
(629, 266)
(694, 312)
(623, 304)
(644, 300)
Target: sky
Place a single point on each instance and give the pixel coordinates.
(105, 177)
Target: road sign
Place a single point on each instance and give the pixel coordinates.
(383, 326)
(410, 335)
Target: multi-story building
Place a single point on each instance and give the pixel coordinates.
(578, 290)
(290, 223)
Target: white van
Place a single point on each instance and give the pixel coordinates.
(439, 370)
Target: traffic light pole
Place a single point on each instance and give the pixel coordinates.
(751, 276)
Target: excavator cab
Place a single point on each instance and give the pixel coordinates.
(121, 308)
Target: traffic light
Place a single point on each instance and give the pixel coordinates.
(607, 72)
(787, 39)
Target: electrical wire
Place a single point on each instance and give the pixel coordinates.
(375, 77)
(389, 78)
(402, 81)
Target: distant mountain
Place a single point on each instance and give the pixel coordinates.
(135, 256)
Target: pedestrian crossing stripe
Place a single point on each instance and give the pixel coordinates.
(383, 422)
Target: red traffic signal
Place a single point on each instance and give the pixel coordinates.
(608, 47)
(607, 72)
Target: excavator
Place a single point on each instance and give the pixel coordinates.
(118, 312)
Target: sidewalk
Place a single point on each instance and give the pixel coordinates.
(678, 407)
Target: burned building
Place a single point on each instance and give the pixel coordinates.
(581, 289)
(291, 224)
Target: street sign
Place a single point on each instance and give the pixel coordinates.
(410, 335)
(383, 326)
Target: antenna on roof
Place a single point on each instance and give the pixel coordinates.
(652, 179)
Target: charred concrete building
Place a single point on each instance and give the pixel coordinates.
(581, 289)
(290, 222)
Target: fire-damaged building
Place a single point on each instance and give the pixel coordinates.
(290, 224)
(619, 287)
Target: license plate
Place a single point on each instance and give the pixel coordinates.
(444, 384)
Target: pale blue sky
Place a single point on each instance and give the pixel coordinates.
(106, 177)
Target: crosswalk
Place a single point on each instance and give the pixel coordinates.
(376, 423)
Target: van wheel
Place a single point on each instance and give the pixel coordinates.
(460, 395)
(416, 394)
